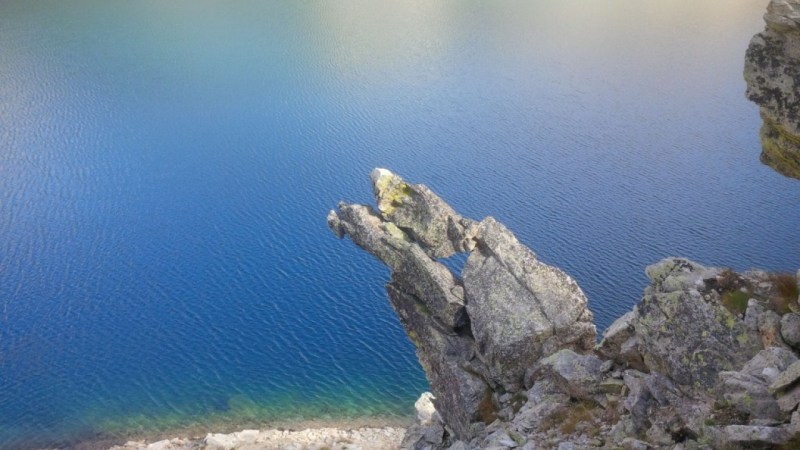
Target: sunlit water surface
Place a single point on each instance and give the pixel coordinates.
(166, 168)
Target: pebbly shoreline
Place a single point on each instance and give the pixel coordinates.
(332, 438)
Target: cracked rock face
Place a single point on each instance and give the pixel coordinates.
(520, 308)
(476, 334)
(772, 72)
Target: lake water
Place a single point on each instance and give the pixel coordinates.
(166, 169)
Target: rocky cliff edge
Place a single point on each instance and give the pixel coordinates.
(772, 73)
(708, 358)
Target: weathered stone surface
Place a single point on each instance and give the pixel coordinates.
(577, 375)
(749, 436)
(422, 214)
(752, 313)
(520, 308)
(430, 282)
(790, 329)
(621, 344)
(684, 336)
(638, 400)
(786, 378)
(783, 15)
(768, 363)
(772, 72)
(769, 329)
(788, 400)
(749, 396)
(450, 364)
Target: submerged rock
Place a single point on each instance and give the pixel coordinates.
(772, 72)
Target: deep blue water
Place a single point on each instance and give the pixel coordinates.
(166, 169)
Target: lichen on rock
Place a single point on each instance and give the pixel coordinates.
(772, 73)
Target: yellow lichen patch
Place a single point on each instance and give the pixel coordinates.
(390, 190)
(395, 232)
(392, 196)
(780, 149)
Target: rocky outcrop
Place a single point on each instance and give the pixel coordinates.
(706, 359)
(476, 334)
(772, 72)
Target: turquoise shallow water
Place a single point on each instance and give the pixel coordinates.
(166, 169)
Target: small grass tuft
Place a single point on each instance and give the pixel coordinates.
(736, 301)
(487, 412)
(568, 417)
(785, 292)
(728, 281)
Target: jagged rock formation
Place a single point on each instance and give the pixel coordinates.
(477, 334)
(772, 72)
(708, 358)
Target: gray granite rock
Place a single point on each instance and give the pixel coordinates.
(449, 362)
(790, 329)
(621, 344)
(786, 378)
(749, 396)
(772, 73)
(427, 280)
(520, 308)
(761, 365)
(419, 212)
(684, 336)
(750, 436)
(789, 400)
(576, 375)
(769, 329)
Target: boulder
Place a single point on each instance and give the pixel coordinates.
(576, 375)
(520, 308)
(752, 436)
(789, 400)
(216, 441)
(684, 335)
(427, 280)
(790, 329)
(621, 344)
(449, 360)
(786, 378)
(768, 363)
(769, 329)
(749, 396)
